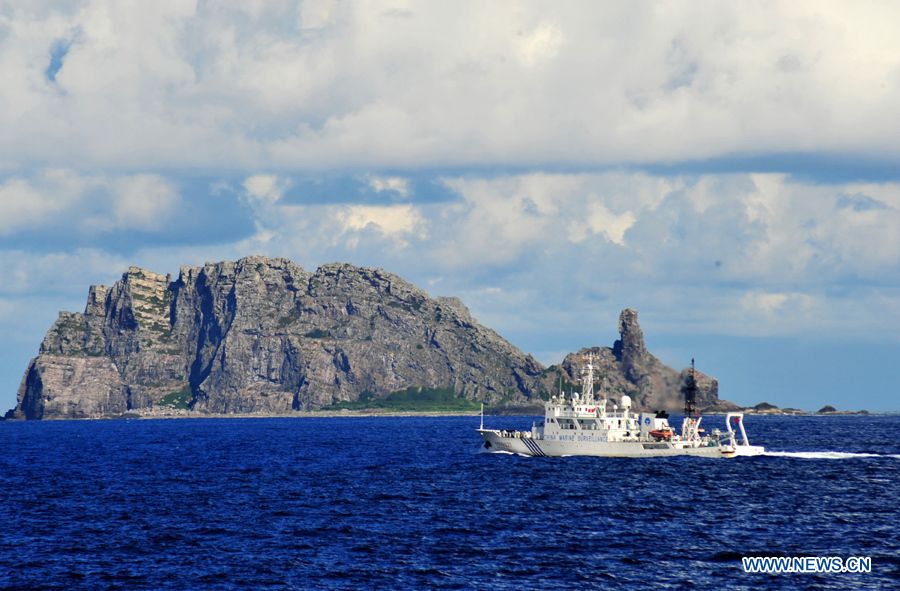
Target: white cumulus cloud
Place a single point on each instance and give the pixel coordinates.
(90, 202)
(394, 184)
(313, 85)
(600, 220)
(397, 222)
(266, 187)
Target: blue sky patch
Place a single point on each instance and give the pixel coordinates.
(58, 52)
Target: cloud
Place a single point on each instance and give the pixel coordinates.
(540, 45)
(141, 202)
(723, 253)
(396, 221)
(323, 226)
(737, 254)
(266, 187)
(323, 85)
(771, 304)
(22, 206)
(498, 220)
(599, 220)
(393, 184)
(317, 14)
(88, 203)
(502, 219)
(747, 249)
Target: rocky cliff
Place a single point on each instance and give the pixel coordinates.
(628, 368)
(264, 335)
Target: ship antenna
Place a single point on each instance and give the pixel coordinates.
(591, 372)
(482, 415)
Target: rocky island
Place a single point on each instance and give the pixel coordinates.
(262, 335)
(765, 408)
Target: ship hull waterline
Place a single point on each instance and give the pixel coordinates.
(521, 443)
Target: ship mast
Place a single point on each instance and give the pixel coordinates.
(587, 378)
(690, 393)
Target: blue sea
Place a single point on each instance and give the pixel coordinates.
(411, 503)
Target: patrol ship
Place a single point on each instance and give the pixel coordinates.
(582, 425)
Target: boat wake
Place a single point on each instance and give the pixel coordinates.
(827, 455)
(482, 450)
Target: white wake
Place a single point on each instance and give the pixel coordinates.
(482, 450)
(827, 455)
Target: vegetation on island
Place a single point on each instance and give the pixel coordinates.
(180, 399)
(410, 399)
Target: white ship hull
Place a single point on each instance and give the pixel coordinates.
(580, 425)
(522, 443)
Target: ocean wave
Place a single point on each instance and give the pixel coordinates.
(828, 455)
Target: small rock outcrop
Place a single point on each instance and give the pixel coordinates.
(764, 406)
(722, 406)
(628, 368)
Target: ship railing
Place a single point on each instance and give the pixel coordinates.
(732, 433)
(570, 414)
(515, 434)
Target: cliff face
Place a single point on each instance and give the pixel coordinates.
(628, 368)
(264, 335)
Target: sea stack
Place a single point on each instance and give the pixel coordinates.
(630, 350)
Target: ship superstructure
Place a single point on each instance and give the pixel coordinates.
(580, 423)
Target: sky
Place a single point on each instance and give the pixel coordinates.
(729, 169)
